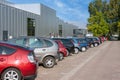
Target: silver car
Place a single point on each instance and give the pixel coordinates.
(45, 49)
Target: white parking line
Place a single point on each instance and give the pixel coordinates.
(72, 72)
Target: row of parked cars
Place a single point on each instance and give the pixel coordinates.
(20, 57)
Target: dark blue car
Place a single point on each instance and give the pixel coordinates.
(80, 44)
(84, 45)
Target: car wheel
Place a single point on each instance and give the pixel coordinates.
(83, 49)
(76, 50)
(96, 44)
(61, 57)
(11, 74)
(48, 62)
(91, 45)
(68, 53)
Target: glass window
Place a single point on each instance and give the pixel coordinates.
(31, 26)
(80, 40)
(95, 39)
(88, 39)
(48, 43)
(65, 41)
(20, 41)
(33, 43)
(84, 41)
(60, 30)
(0, 50)
(6, 50)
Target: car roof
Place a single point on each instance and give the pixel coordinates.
(15, 45)
(30, 37)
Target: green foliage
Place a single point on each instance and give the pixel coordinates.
(97, 25)
(104, 17)
(119, 29)
(94, 7)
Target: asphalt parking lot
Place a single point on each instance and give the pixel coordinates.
(98, 63)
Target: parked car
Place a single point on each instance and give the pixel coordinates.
(90, 41)
(76, 43)
(62, 50)
(17, 63)
(114, 38)
(68, 44)
(46, 50)
(94, 40)
(83, 44)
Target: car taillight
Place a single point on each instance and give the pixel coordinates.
(31, 57)
(72, 41)
(79, 43)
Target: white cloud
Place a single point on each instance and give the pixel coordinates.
(78, 23)
(59, 4)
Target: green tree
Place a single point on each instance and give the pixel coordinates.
(104, 13)
(95, 6)
(113, 15)
(119, 29)
(97, 25)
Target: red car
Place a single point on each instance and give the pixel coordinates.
(17, 63)
(62, 50)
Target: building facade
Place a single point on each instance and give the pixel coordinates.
(31, 20)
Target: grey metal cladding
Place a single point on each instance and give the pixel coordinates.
(14, 20)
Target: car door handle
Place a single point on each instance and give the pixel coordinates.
(43, 49)
(2, 59)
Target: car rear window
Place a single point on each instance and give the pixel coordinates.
(82, 40)
(66, 40)
(95, 39)
(35, 43)
(88, 39)
(6, 50)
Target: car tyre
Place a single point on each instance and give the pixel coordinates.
(96, 44)
(11, 74)
(83, 49)
(76, 50)
(61, 57)
(48, 62)
(68, 53)
(91, 45)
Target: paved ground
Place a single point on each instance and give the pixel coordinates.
(99, 63)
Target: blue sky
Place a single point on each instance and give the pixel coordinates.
(71, 11)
